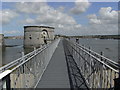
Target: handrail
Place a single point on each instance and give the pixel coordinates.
(19, 60)
(93, 52)
(26, 71)
(102, 62)
(98, 54)
(97, 70)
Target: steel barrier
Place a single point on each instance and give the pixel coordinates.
(27, 71)
(97, 70)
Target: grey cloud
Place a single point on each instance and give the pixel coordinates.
(104, 23)
(80, 7)
(106, 16)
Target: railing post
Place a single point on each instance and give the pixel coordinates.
(8, 84)
(5, 83)
(79, 58)
(23, 70)
(90, 70)
(101, 71)
(117, 80)
(35, 62)
(117, 83)
(35, 50)
(101, 53)
(84, 61)
(23, 58)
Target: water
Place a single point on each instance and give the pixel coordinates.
(109, 47)
(12, 53)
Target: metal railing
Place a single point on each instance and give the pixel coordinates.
(97, 70)
(27, 71)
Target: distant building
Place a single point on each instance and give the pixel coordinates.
(37, 35)
(1, 39)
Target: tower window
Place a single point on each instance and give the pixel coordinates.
(30, 37)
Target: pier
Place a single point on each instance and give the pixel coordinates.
(60, 64)
(56, 76)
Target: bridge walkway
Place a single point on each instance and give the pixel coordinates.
(56, 74)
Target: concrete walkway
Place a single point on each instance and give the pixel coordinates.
(56, 74)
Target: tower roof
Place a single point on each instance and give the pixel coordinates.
(40, 27)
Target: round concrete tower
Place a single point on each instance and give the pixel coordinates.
(35, 36)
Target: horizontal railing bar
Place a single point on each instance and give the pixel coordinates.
(27, 71)
(22, 63)
(82, 56)
(16, 62)
(97, 70)
(117, 71)
(98, 54)
(99, 61)
(103, 57)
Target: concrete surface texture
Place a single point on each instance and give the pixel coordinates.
(56, 74)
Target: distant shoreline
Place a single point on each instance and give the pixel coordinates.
(87, 36)
(96, 36)
(14, 37)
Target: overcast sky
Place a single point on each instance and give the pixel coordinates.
(68, 18)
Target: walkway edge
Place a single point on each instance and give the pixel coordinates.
(48, 63)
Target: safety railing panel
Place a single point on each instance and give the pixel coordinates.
(27, 71)
(98, 71)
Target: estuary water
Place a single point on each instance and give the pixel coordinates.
(108, 46)
(13, 51)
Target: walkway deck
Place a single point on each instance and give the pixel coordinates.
(56, 74)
